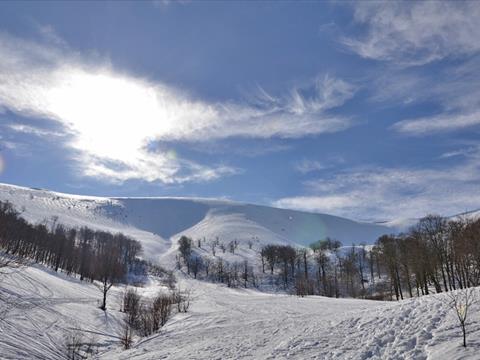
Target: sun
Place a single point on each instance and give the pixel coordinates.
(112, 116)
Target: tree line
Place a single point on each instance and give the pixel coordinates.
(436, 254)
(92, 254)
(233, 274)
(322, 270)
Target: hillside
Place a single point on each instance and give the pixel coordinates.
(224, 323)
(158, 222)
(52, 308)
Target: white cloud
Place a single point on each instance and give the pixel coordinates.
(416, 33)
(166, 3)
(441, 123)
(49, 33)
(463, 152)
(306, 166)
(114, 116)
(411, 34)
(31, 130)
(391, 193)
(327, 204)
(251, 149)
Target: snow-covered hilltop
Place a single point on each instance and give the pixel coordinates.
(158, 222)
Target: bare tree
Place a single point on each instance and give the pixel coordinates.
(155, 313)
(131, 306)
(75, 346)
(182, 300)
(195, 265)
(126, 336)
(162, 310)
(109, 272)
(213, 244)
(246, 271)
(185, 249)
(461, 301)
(206, 265)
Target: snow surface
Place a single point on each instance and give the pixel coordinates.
(222, 323)
(49, 306)
(228, 323)
(158, 222)
(404, 224)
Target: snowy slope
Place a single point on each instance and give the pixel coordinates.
(158, 222)
(49, 306)
(232, 324)
(222, 323)
(404, 224)
(228, 323)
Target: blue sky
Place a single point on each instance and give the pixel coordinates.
(367, 110)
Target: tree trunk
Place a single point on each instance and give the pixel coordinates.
(104, 303)
(305, 265)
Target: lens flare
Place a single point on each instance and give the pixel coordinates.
(172, 154)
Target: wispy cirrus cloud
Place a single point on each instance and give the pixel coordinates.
(416, 33)
(426, 53)
(409, 38)
(166, 3)
(468, 151)
(440, 123)
(34, 130)
(455, 90)
(114, 117)
(380, 193)
(306, 166)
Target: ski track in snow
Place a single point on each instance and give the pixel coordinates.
(225, 323)
(244, 324)
(46, 307)
(222, 323)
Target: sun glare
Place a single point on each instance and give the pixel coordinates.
(112, 116)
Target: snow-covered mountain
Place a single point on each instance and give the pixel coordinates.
(158, 222)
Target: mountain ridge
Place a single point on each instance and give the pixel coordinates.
(158, 222)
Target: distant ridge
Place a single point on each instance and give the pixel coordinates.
(158, 222)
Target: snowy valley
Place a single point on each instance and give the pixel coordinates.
(48, 309)
(223, 180)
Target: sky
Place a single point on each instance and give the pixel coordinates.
(367, 110)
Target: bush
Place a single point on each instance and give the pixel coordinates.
(77, 347)
(126, 336)
(131, 306)
(182, 300)
(150, 316)
(161, 310)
